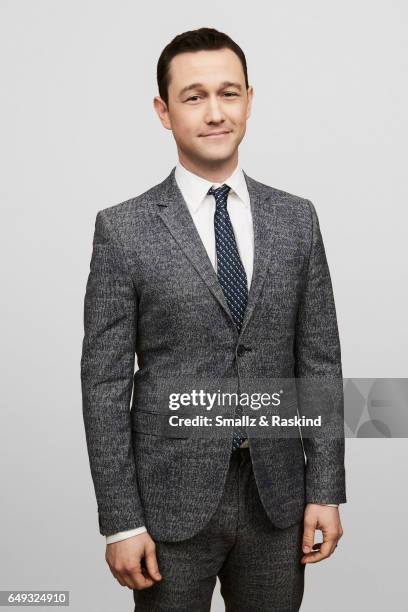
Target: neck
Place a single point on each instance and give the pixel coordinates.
(215, 171)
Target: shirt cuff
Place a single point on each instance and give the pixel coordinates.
(124, 535)
(332, 505)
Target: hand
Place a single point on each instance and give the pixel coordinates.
(327, 519)
(125, 561)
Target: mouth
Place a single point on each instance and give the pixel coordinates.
(216, 135)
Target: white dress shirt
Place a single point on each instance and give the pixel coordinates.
(202, 208)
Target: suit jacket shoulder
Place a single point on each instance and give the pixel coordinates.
(132, 213)
(299, 206)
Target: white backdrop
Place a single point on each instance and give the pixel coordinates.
(79, 133)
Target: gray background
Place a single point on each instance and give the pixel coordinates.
(79, 133)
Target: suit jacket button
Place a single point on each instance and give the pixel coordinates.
(240, 350)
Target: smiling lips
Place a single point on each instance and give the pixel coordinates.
(215, 134)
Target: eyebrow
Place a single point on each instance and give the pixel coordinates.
(198, 85)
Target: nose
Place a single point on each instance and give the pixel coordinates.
(214, 112)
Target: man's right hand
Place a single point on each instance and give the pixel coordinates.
(125, 561)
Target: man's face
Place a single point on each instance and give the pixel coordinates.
(208, 105)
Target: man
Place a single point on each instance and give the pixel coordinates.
(209, 275)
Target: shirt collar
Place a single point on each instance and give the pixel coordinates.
(194, 188)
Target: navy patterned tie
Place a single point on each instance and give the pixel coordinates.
(230, 272)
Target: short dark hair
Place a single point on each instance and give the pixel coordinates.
(203, 39)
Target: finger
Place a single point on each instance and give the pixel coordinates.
(132, 577)
(324, 552)
(151, 564)
(308, 537)
(127, 579)
(138, 578)
(118, 578)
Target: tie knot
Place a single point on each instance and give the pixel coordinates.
(220, 194)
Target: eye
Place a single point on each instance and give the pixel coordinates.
(228, 94)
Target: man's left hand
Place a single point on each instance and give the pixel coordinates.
(327, 520)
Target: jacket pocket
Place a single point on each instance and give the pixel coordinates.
(154, 423)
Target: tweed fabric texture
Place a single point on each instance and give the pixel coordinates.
(152, 292)
(258, 565)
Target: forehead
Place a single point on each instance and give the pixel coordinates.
(206, 67)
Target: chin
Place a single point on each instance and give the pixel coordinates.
(216, 159)
(217, 154)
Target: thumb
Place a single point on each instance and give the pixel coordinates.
(151, 564)
(308, 537)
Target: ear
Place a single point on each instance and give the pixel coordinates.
(162, 111)
(250, 93)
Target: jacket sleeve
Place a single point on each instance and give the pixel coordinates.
(107, 369)
(318, 357)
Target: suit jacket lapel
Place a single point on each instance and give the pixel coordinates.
(263, 209)
(174, 212)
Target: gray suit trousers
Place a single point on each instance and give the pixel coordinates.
(258, 564)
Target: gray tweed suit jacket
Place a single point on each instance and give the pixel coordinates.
(153, 293)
